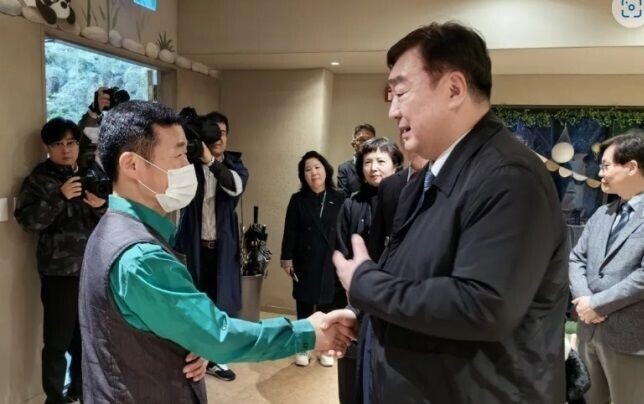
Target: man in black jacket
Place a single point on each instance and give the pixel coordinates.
(348, 180)
(468, 300)
(53, 203)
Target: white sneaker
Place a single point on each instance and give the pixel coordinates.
(302, 359)
(326, 361)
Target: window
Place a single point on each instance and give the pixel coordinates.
(73, 74)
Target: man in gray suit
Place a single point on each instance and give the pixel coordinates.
(607, 278)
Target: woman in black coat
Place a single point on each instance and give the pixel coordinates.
(376, 160)
(309, 242)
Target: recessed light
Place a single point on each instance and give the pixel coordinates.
(335, 63)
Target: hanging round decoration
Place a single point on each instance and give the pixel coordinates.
(542, 158)
(564, 172)
(562, 152)
(593, 183)
(552, 166)
(579, 177)
(595, 148)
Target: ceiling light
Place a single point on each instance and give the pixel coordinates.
(335, 63)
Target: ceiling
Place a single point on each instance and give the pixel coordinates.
(526, 37)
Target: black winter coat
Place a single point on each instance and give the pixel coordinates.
(63, 225)
(467, 302)
(309, 242)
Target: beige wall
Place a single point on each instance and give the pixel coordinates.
(196, 90)
(605, 90)
(21, 114)
(357, 98)
(275, 117)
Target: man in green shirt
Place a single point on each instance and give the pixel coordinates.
(140, 310)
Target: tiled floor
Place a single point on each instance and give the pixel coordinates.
(276, 382)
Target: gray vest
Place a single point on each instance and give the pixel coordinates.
(120, 363)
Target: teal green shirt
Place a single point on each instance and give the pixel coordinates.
(154, 292)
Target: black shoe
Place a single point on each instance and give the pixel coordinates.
(220, 372)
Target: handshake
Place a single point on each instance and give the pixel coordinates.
(334, 331)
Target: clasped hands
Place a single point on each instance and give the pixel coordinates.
(586, 312)
(334, 331)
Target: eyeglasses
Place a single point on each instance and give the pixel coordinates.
(604, 166)
(68, 144)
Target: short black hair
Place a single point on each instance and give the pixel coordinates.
(218, 117)
(328, 182)
(128, 127)
(628, 146)
(365, 127)
(449, 47)
(56, 129)
(384, 145)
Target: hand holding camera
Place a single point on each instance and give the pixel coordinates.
(93, 200)
(72, 188)
(206, 155)
(200, 132)
(107, 98)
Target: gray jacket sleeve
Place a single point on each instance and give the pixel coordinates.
(577, 264)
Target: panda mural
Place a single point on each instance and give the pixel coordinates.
(53, 10)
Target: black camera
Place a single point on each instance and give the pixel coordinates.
(96, 183)
(117, 96)
(199, 130)
(93, 178)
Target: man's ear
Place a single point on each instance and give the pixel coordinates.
(128, 165)
(457, 88)
(633, 167)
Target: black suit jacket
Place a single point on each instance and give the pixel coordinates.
(348, 180)
(383, 218)
(468, 301)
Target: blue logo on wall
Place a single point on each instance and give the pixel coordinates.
(152, 4)
(631, 8)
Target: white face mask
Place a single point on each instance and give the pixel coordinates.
(182, 187)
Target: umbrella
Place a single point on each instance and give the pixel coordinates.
(255, 252)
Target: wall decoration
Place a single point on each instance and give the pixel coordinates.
(11, 7)
(133, 46)
(183, 62)
(32, 14)
(152, 50)
(563, 151)
(52, 11)
(116, 39)
(95, 33)
(166, 49)
(572, 137)
(113, 22)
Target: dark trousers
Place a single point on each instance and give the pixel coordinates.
(208, 273)
(61, 334)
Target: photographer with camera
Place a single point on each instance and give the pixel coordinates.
(55, 202)
(208, 231)
(104, 99)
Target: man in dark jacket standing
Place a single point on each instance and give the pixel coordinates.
(467, 302)
(348, 180)
(52, 202)
(208, 231)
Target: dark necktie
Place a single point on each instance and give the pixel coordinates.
(427, 183)
(622, 220)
